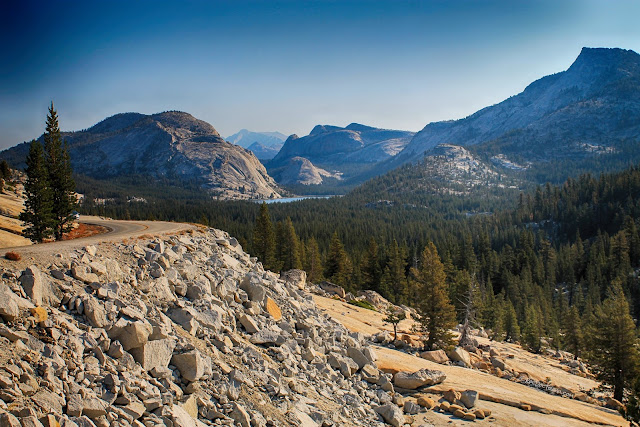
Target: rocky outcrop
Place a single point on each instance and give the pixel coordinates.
(347, 151)
(301, 171)
(171, 145)
(184, 331)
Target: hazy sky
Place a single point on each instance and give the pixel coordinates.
(288, 65)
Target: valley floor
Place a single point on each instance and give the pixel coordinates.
(546, 410)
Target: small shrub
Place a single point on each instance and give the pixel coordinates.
(13, 256)
(363, 304)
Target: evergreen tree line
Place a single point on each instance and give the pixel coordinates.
(50, 188)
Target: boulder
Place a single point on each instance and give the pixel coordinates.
(254, 290)
(370, 373)
(461, 355)
(133, 334)
(39, 313)
(437, 356)
(185, 317)
(272, 308)
(94, 407)
(427, 402)
(98, 268)
(332, 288)
(411, 408)
(191, 365)
(9, 309)
(266, 337)
(154, 354)
(95, 313)
(451, 396)
(391, 414)
(198, 289)
(421, 378)
(358, 357)
(48, 401)
(249, 324)
(498, 363)
(469, 398)
(240, 415)
(9, 420)
(33, 284)
(84, 274)
(296, 278)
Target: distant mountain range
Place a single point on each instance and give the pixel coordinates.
(245, 138)
(171, 145)
(584, 119)
(346, 152)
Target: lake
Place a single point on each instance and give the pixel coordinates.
(291, 199)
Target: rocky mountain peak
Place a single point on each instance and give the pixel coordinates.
(181, 120)
(318, 129)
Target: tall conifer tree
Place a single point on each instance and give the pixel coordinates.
(37, 207)
(613, 341)
(264, 238)
(338, 266)
(60, 176)
(437, 314)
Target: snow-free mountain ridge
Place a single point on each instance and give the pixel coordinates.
(172, 145)
(596, 102)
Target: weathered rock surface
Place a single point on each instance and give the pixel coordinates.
(417, 379)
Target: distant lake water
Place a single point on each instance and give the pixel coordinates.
(291, 199)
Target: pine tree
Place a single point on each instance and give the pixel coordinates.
(533, 329)
(337, 266)
(313, 261)
(437, 315)
(60, 176)
(614, 351)
(393, 318)
(512, 329)
(394, 278)
(37, 207)
(572, 327)
(371, 270)
(290, 251)
(264, 239)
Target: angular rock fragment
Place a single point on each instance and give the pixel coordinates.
(421, 378)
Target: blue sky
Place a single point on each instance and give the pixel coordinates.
(288, 65)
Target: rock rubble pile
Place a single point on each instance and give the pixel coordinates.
(185, 330)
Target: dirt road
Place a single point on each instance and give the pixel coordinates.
(118, 231)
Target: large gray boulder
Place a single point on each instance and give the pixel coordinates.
(192, 365)
(461, 355)
(254, 290)
(297, 278)
(391, 414)
(417, 379)
(9, 309)
(132, 334)
(38, 288)
(95, 313)
(154, 354)
(332, 288)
